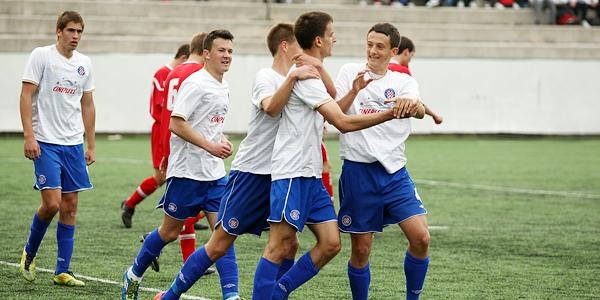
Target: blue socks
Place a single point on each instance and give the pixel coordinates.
(151, 248)
(415, 270)
(300, 273)
(65, 241)
(360, 279)
(36, 234)
(286, 264)
(196, 265)
(264, 279)
(228, 273)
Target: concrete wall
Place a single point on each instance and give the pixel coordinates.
(473, 95)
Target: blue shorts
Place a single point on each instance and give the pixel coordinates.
(371, 198)
(61, 167)
(245, 203)
(300, 201)
(184, 197)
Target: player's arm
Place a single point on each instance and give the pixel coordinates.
(88, 114)
(182, 129)
(304, 59)
(273, 105)
(31, 148)
(436, 118)
(358, 84)
(347, 123)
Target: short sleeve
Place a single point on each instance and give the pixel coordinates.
(312, 92)
(34, 69)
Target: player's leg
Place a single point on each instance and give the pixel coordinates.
(187, 238)
(41, 220)
(282, 236)
(289, 259)
(416, 260)
(359, 271)
(145, 189)
(65, 232)
(193, 269)
(151, 248)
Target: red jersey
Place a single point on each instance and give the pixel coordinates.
(158, 92)
(172, 84)
(399, 68)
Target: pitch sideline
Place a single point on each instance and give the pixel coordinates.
(106, 281)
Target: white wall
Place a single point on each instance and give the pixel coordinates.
(473, 95)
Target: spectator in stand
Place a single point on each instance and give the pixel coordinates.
(539, 6)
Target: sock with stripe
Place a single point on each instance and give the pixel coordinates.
(145, 189)
(187, 238)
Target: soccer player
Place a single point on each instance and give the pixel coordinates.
(399, 63)
(245, 203)
(195, 62)
(196, 175)
(57, 108)
(375, 187)
(150, 184)
(298, 197)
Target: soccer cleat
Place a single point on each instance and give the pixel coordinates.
(67, 279)
(210, 271)
(27, 266)
(154, 264)
(200, 226)
(127, 214)
(130, 287)
(158, 296)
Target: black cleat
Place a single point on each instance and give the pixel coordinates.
(154, 264)
(200, 226)
(210, 271)
(127, 214)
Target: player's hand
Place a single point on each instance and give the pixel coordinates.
(405, 107)
(90, 156)
(305, 72)
(360, 81)
(31, 149)
(307, 60)
(223, 149)
(162, 167)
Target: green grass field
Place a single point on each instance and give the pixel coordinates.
(510, 217)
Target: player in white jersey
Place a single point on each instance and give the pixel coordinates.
(375, 188)
(57, 108)
(298, 197)
(245, 203)
(195, 173)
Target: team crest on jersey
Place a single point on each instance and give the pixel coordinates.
(42, 179)
(172, 207)
(346, 220)
(233, 223)
(81, 70)
(295, 215)
(389, 93)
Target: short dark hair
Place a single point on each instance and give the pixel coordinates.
(390, 30)
(406, 43)
(310, 25)
(69, 16)
(280, 33)
(197, 43)
(215, 34)
(183, 50)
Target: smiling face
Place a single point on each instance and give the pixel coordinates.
(218, 57)
(68, 37)
(379, 52)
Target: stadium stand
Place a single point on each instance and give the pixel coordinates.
(145, 26)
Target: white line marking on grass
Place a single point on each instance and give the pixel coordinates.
(145, 289)
(507, 189)
(438, 227)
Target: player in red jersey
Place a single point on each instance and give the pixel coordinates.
(150, 184)
(399, 63)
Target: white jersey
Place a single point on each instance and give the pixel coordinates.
(61, 82)
(254, 153)
(383, 142)
(202, 102)
(297, 149)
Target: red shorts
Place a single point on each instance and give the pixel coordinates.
(156, 146)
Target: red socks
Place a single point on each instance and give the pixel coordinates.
(146, 188)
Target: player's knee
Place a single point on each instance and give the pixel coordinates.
(421, 243)
(168, 236)
(331, 248)
(361, 251)
(293, 247)
(48, 210)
